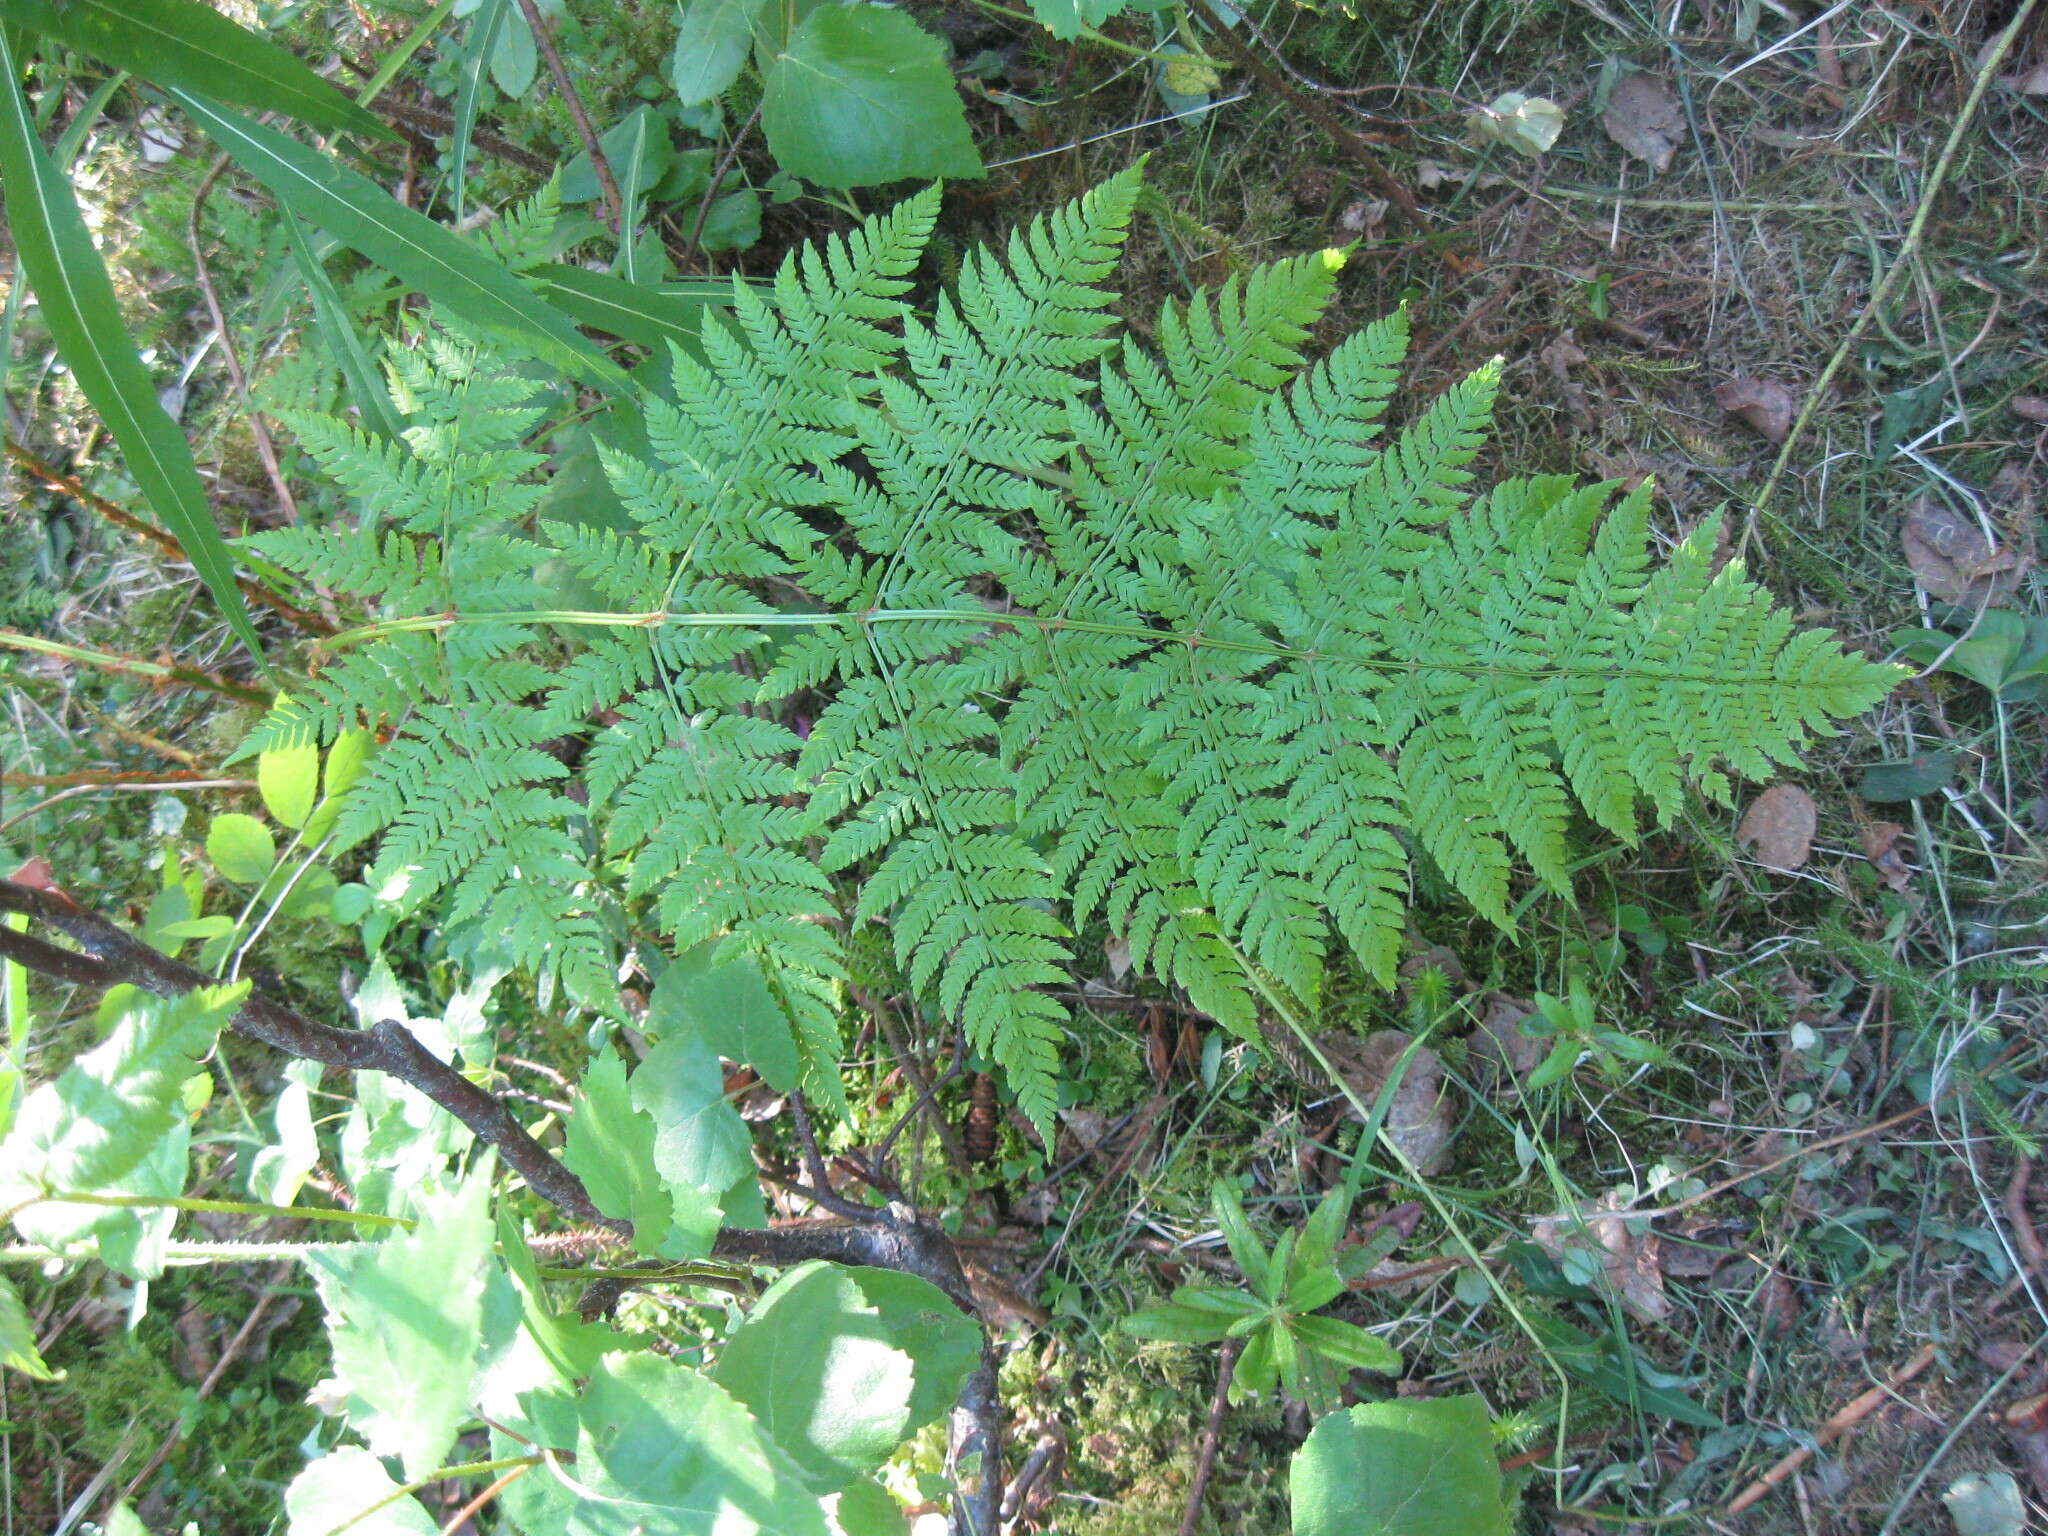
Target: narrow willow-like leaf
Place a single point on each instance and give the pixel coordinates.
(653, 317)
(185, 43)
(437, 262)
(372, 401)
(476, 50)
(60, 262)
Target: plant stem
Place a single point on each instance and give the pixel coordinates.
(1327, 118)
(135, 666)
(287, 504)
(223, 1208)
(1987, 71)
(53, 479)
(1212, 1436)
(607, 183)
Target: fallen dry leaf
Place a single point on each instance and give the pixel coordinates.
(1419, 1119)
(1764, 404)
(2032, 82)
(1955, 560)
(1643, 117)
(1363, 216)
(1630, 1263)
(1780, 822)
(1499, 1039)
(1880, 846)
(2032, 408)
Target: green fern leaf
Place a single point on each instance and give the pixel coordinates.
(985, 623)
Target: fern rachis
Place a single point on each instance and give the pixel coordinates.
(954, 621)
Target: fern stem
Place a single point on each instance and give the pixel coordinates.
(657, 618)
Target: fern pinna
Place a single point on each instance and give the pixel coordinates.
(1001, 623)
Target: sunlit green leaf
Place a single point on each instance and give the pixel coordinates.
(711, 45)
(701, 1145)
(343, 1488)
(240, 847)
(1178, 1325)
(1409, 1467)
(665, 1451)
(815, 1363)
(723, 999)
(18, 1336)
(404, 1318)
(1347, 1344)
(289, 780)
(433, 260)
(187, 43)
(113, 1123)
(610, 1145)
(862, 94)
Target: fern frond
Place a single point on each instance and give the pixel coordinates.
(985, 624)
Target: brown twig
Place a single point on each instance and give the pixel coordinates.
(1212, 1434)
(53, 479)
(979, 1432)
(162, 673)
(287, 504)
(821, 1191)
(93, 778)
(607, 183)
(920, 1079)
(2024, 1237)
(1857, 1410)
(1327, 118)
(387, 1046)
(711, 192)
(891, 1237)
(417, 123)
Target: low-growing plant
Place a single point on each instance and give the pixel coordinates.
(965, 616)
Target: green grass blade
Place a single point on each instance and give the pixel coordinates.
(185, 43)
(372, 400)
(60, 262)
(434, 260)
(401, 55)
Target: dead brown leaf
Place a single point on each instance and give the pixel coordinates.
(1631, 1263)
(1419, 1119)
(2032, 408)
(1955, 560)
(1780, 822)
(1880, 846)
(1777, 1304)
(1499, 1039)
(1558, 358)
(1363, 217)
(1643, 117)
(2032, 82)
(1764, 405)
